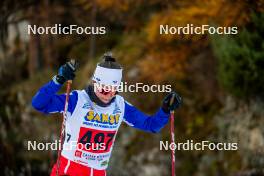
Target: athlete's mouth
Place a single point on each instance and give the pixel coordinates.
(105, 92)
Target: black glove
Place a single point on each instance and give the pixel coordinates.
(66, 72)
(171, 102)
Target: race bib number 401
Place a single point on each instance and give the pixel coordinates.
(95, 141)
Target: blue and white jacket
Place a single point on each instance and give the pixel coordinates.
(92, 126)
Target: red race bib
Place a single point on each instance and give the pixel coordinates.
(95, 141)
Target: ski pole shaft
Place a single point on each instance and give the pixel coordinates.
(71, 64)
(64, 115)
(172, 142)
(172, 137)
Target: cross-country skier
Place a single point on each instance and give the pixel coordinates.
(94, 116)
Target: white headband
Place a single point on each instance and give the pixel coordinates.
(107, 76)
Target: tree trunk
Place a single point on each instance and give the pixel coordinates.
(34, 45)
(93, 37)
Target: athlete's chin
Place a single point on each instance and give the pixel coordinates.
(105, 100)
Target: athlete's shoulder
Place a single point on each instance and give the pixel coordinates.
(75, 95)
(77, 91)
(119, 98)
(80, 94)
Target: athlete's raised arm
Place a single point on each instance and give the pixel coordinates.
(47, 101)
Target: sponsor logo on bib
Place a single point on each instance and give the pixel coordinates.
(111, 119)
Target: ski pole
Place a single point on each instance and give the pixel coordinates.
(64, 115)
(172, 137)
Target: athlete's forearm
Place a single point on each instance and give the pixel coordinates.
(140, 120)
(46, 100)
(158, 121)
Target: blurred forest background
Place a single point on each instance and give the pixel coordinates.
(219, 76)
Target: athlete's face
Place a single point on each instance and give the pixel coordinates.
(104, 93)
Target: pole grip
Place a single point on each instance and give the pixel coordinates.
(73, 64)
(172, 100)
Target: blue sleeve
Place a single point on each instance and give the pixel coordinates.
(139, 120)
(47, 101)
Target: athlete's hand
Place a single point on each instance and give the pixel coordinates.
(171, 102)
(66, 72)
